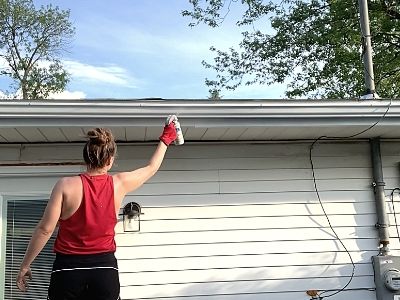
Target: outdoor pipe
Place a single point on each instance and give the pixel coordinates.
(367, 47)
(379, 191)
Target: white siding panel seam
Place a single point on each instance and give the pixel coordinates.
(367, 293)
(260, 267)
(343, 256)
(353, 252)
(255, 216)
(211, 282)
(241, 192)
(249, 205)
(256, 204)
(183, 243)
(301, 294)
(250, 229)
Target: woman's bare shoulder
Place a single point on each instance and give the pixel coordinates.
(68, 181)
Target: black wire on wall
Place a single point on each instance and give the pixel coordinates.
(320, 297)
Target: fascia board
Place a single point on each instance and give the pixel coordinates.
(200, 113)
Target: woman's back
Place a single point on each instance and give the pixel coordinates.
(88, 227)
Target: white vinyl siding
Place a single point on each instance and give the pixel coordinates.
(243, 222)
(240, 221)
(391, 167)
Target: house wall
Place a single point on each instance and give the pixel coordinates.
(238, 221)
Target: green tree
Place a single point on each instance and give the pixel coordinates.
(314, 46)
(214, 94)
(31, 43)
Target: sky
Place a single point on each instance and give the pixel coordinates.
(130, 49)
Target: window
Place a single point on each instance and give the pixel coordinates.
(22, 218)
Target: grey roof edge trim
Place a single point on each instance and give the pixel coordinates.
(200, 113)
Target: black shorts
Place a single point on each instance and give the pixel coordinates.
(89, 277)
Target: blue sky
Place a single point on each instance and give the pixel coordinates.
(128, 49)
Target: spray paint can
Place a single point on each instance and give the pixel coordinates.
(179, 135)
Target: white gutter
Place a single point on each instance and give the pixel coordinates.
(199, 113)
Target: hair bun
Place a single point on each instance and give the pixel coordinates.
(99, 136)
(100, 148)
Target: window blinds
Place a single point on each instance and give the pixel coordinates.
(22, 218)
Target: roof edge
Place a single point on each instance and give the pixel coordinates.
(201, 113)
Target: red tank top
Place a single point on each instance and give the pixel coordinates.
(91, 229)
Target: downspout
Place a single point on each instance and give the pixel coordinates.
(379, 190)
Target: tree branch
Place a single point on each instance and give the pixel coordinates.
(390, 11)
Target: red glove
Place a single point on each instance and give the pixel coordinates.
(169, 134)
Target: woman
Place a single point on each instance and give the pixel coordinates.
(86, 208)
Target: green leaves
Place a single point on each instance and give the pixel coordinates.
(42, 81)
(31, 42)
(314, 47)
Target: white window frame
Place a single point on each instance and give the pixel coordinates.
(3, 228)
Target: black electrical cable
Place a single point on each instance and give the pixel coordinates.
(358, 133)
(322, 206)
(394, 211)
(330, 226)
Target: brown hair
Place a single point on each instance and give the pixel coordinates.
(99, 148)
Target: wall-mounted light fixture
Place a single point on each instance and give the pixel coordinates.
(131, 217)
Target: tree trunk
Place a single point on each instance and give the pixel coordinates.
(24, 92)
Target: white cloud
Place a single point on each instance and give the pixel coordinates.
(180, 43)
(3, 63)
(64, 95)
(110, 74)
(68, 95)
